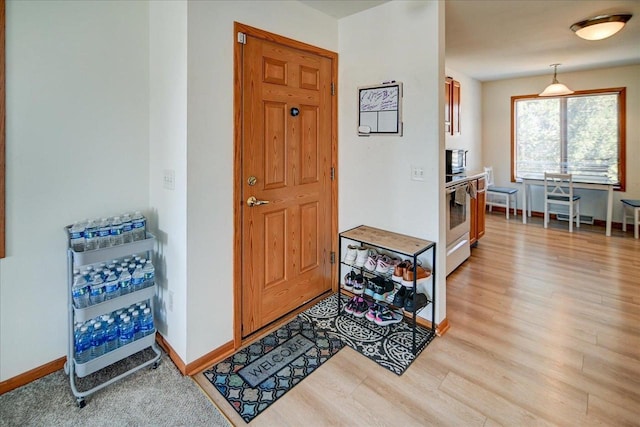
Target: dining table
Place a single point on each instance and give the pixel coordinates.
(593, 183)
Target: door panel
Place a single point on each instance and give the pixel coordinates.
(286, 243)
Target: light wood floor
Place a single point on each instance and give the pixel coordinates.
(545, 330)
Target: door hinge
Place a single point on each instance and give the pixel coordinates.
(333, 173)
(242, 38)
(333, 258)
(333, 89)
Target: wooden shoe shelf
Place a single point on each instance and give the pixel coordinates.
(394, 243)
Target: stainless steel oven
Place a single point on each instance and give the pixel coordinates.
(458, 224)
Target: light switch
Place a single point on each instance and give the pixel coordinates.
(417, 173)
(169, 179)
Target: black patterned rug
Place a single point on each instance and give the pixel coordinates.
(258, 375)
(389, 346)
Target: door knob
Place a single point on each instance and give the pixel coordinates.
(252, 201)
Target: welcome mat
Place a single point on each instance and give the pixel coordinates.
(258, 375)
(389, 346)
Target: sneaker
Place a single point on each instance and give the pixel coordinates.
(400, 297)
(399, 270)
(363, 256)
(373, 311)
(349, 279)
(388, 317)
(381, 290)
(351, 305)
(351, 254)
(368, 287)
(359, 284)
(361, 308)
(422, 275)
(372, 261)
(410, 306)
(382, 265)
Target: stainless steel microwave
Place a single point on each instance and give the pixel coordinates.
(455, 161)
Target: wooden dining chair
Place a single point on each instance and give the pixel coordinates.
(504, 197)
(558, 191)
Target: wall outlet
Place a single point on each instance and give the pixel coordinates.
(169, 179)
(417, 173)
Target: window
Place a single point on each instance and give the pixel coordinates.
(582, 134)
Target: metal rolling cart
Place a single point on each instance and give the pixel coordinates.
(72, 367)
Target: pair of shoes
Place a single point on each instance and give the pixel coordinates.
(359, 284)
(400, 297)
(381, 287)
(421, 275)
(372, 261)
(369, 286)
(351, 254)
(349, 280)
(363, 255)
(387, 317)
(357, 306)
(421, 300)
(399, 271)
(386, 265)
(350, 306)
(373, 311)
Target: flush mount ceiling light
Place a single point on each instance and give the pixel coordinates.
(556, 88)
(600, 27)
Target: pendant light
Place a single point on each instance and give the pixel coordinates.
(556, 88)
(600, 27)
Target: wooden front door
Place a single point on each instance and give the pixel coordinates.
(286, 161)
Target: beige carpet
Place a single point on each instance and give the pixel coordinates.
(149, 397)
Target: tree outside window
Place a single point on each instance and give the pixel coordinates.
(582, 134)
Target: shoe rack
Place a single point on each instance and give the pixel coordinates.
(407, 247)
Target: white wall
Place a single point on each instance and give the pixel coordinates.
(374, 172)
(496, 107)
(210, 151)
(168, 152)
(470, 136)
(77, 147)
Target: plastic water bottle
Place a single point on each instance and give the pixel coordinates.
(137, 279)
(111, 287)
(112, 335)
(146, 326)
(136, 319)
(80, 292)
(124, 280)
(83, 345)
(139, 226)
(126, 332)
(96, 293)
(115, 233)
(98, 342)
(104, 229)
(76, 236)
(127, 229)
(91, 236)
(149, 272)
(132, 268)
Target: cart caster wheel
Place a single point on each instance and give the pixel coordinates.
(81, 403)
(155, 365)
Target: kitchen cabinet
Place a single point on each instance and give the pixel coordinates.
(451, 106)
(478, 206)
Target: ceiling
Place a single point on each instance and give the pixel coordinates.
(498, 39)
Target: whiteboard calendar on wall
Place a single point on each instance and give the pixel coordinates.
(380, 109)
